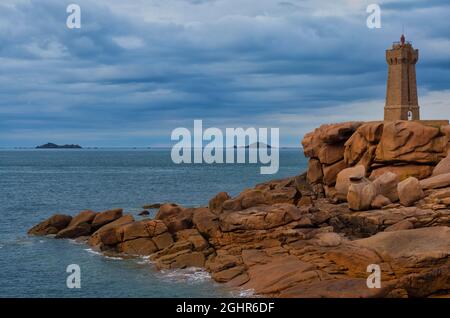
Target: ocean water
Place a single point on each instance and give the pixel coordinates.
(34, 184)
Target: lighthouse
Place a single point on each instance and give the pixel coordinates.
(401, 93)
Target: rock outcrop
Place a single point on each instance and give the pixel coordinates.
(404, 148)
(361, 203)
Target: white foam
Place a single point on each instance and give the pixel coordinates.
(144, 260)
(90, 250)
(246, 293)
(189, 275)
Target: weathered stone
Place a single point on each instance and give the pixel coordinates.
(409, 191)
(193, 236)
(106, 217)
(74, 231)
(86, 216)
(221, 262)
(140, 246)
(415, 254)
(216, 203)
(175, 217)
(442, 167)
(330, 172)
(386, 185)
(404, 171)
(305, 201)
(315, 173)
(251, 198)
(380, 201)
(52, 225)
(109, 230)
(360, 195)
(438, 181)
(279, 274)
(206, 222)
(331, 153)
(194, 259)
(402, 225)
(407, 141)
(163, 240)
(361, 143)
(328, 239)
(259, 218)
(227, 274)
(144, 228)
(343, 180)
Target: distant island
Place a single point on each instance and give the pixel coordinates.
(55, 146)
(256, 145)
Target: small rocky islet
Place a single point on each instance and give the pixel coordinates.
(374, 193)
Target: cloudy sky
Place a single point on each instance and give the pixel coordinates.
(138, 69)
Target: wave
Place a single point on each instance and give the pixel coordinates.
(189, 275)
(90, 250)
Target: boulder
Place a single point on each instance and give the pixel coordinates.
(412, 142)
(220, 262)
(74, 231)
(216, 203)
(305, 201)
(399, 226)
(206, 222)
(52, 225)
(330, 172)
(167, 210)
(403, 171)
(163, 240)
(409, 191)
(251, 198)
(442, 167)
(327, 134)
(280, 274)
(438, 181)
(194, 237)
(140, 246)
(315, 173)
(175, 217)
(194, 259)
(343, 180)
(227, 274)
(361, 145)
(109, 230)
(106, 217)
(181, 259)
(419, 257)
(361, 194)
(380, 201)
(259, 218)
(386, 185)
(331, 153)
(144, 228)
(86, 216)
(144, 213)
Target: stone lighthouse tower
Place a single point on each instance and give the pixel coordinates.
(401, 93)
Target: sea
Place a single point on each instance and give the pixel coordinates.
(37, 183)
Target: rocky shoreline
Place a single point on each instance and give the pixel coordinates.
(374, 193)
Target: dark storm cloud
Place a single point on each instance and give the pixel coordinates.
(133, 72)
